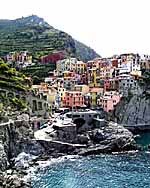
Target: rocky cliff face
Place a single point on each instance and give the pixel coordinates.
(133, 110)
(16, 137)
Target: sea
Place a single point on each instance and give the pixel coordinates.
(118, 170)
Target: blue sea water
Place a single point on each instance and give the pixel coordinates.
(104, 171)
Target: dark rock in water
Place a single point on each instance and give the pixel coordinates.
(97, 135)
(112, 138)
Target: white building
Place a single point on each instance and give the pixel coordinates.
(65, 65)
(128, 63)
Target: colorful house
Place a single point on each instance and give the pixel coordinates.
(111, 84)
(61, 93)
(66, 65)
(82, 88)
(80, 67)
(92, 77)
(70, 80)
(95, 94)
(109, 100)
(73, 99)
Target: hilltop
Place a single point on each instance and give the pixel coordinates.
(38, 37)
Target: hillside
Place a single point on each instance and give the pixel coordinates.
(37, 36)
(13, 81)
(83, 52)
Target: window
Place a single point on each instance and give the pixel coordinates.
(76, 116)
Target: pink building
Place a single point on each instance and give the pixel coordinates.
(73, 99)
(109, 100)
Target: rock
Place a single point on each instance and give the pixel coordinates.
(13, 181)
(95, 150)
(23, 117)
(83, 139)
(23, 160)
(3, 158)
(133, 110)
(97, 135)
(112, 138)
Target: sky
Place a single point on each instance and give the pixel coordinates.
(108, 26)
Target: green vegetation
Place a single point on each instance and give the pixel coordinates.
(38, 37)
(18, 103)
(39, 72)
(12, 81)
(10, 78)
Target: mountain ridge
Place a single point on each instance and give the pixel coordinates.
(34, 34)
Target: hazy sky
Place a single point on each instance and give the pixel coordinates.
(108, 26)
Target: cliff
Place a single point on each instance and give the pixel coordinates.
(16, 137)
(134, 109)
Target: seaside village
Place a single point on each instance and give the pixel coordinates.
(83, 88)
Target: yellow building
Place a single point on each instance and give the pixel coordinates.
(61, 95)
(92, 77)
(80, 67)
(82, 88)
(51, 96)
(95, 93)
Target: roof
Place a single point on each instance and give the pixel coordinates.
(73, 92)
(96, 90)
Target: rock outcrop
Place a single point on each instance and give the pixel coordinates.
(133, 110)
(111, 138)
(15, 137)
(105, 139)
